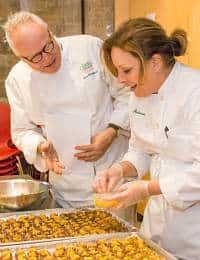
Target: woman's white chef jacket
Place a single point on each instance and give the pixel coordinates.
(166, 140)
(71, 105)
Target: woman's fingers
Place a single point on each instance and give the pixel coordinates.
(111, 184)
(100, 182)
(95, 186)
(118, 206)
(101, 185)
(113, 196)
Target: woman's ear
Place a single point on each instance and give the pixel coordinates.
(156, 62)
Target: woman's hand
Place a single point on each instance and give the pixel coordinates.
(105, 181)
(129, 193)
(50, 156)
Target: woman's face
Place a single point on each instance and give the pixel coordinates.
(129, 67)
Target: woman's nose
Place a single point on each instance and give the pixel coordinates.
(121, 79)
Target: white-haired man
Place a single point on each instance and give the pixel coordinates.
(68, 114)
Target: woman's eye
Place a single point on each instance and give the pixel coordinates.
(127, 71)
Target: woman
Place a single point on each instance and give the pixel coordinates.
(165, 128)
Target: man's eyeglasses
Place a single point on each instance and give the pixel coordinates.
(48, 48)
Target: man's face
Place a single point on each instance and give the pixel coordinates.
(37, 47)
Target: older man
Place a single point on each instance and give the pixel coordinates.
(68, 114)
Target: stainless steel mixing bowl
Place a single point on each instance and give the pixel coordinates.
(20, 193)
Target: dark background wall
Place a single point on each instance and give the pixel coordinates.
(65, 17)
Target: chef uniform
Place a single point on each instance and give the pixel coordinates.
(166, 140)
(69, 106)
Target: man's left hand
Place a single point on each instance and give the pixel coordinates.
(99, 145)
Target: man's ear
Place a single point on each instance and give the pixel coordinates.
(156, 62)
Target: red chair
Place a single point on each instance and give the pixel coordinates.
(7, 170)
(9, 152)
(10, 161)
(7, 148)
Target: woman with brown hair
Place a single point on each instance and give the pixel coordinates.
(165, 134)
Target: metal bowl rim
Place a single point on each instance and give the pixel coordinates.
(46, 184)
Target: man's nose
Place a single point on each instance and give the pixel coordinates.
(46, 56)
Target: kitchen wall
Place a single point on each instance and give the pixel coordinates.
(170, 14)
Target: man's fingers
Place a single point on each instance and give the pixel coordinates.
(60, 165)
(58, 170)
(87, 156)
(44, 146)
(54, 165)
(88, 147)
(84, 155)
(44, 155)
(48, 163)
(91, 159)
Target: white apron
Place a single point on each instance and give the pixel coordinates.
(65, 136)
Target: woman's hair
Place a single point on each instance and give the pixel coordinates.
(16, 19)
(143, 38)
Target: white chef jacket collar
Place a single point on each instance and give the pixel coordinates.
(59, 43)
(169, 82)
(65, 58)
(63, 48)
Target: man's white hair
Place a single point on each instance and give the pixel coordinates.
(17, 19)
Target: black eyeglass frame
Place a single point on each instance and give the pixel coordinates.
(44, 50)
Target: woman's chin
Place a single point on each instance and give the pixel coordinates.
(140, 94)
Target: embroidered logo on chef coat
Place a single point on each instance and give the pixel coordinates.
(87, 69)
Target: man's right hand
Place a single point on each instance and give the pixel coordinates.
(106, 181)
(50, 156)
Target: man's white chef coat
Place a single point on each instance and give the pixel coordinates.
(71, 106)
(166, 139)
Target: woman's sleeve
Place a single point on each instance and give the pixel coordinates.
(139, 159)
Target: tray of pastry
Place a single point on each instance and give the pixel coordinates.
(127, 246)
(53, 224)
